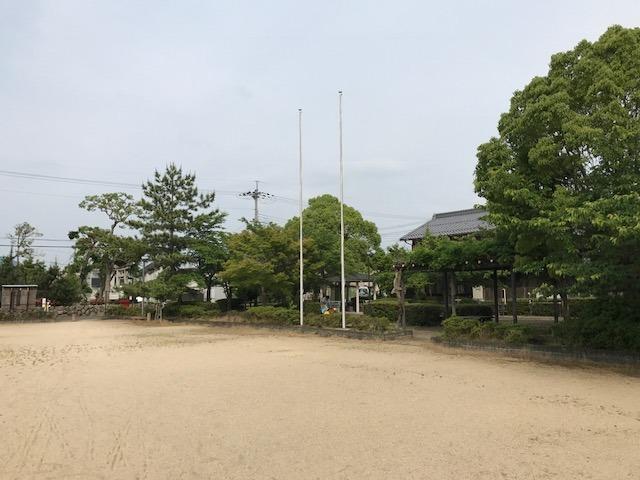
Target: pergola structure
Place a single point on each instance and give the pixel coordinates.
(479, 266)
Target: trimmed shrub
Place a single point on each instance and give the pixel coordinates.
(285, 316)
(271, 315)
(424, 314)
(474, 310)
(191, 310)
(418, 314)
(612, 324)
(461, 328)
(236, 304)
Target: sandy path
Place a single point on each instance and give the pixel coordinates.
(119, 400)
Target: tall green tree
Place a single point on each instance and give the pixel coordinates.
(171, 211)
(321, 223)
(261, 263)
(209, 248)
(561, 179)
(103, 248)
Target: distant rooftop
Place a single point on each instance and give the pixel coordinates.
(451, 224)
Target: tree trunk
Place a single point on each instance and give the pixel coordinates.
(452, 288)
(263, 296)
(565, 305)
(107, 284)
(209, 285)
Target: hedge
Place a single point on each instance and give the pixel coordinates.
(460, 328)
(611, 324)
(236, 304)
(191, 310)
(423, 314)
(546, 308)
(286, 316)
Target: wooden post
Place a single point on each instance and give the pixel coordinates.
(358, 297)
(495, 296)
(556, 312)
(445, 294)
(514, 297)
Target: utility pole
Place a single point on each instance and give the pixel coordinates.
(256, 194)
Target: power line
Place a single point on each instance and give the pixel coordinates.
(40, 246)
(88, 181)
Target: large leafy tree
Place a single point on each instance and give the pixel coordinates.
(103, 248)
(561, 179)
(209, 248)
(262, 263)
(321, 223)
(173, 218)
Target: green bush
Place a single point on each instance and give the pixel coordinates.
(271, 315)
(545, 308)
(418, 314)
(460, 328)
(285, 316)
(365, 322)
(423, 313)
(612, 324)
(236, 304)
(191, 310)
(474, 310)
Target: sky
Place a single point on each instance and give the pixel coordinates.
(111, 90)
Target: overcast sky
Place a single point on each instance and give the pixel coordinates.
(111, 90)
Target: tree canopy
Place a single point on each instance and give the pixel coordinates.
(321, 223)
(561, 179)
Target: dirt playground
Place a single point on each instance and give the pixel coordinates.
(124, 400)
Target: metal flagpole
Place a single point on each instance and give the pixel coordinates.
(342, 282)
(300, 214)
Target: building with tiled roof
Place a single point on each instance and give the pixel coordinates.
(450, 224)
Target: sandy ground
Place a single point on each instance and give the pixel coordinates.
(117, 400)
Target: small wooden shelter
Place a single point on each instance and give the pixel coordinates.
(16, 298)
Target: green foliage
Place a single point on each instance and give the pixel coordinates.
(263, 261)
(561, 179)
(208, 247)
(461, 328)
(321, 224)
(285, 316)
(271, 315)
(175, 220)
(611, 325)
(103, 249)
(235, 304)
(417, 314)
(66, 289)
(191, 310)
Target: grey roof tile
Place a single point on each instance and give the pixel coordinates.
(460, 222)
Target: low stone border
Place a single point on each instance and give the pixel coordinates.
(325, 332)
(547, 352)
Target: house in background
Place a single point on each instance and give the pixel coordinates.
(457, 224)
(449, 224)
(123, 276)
